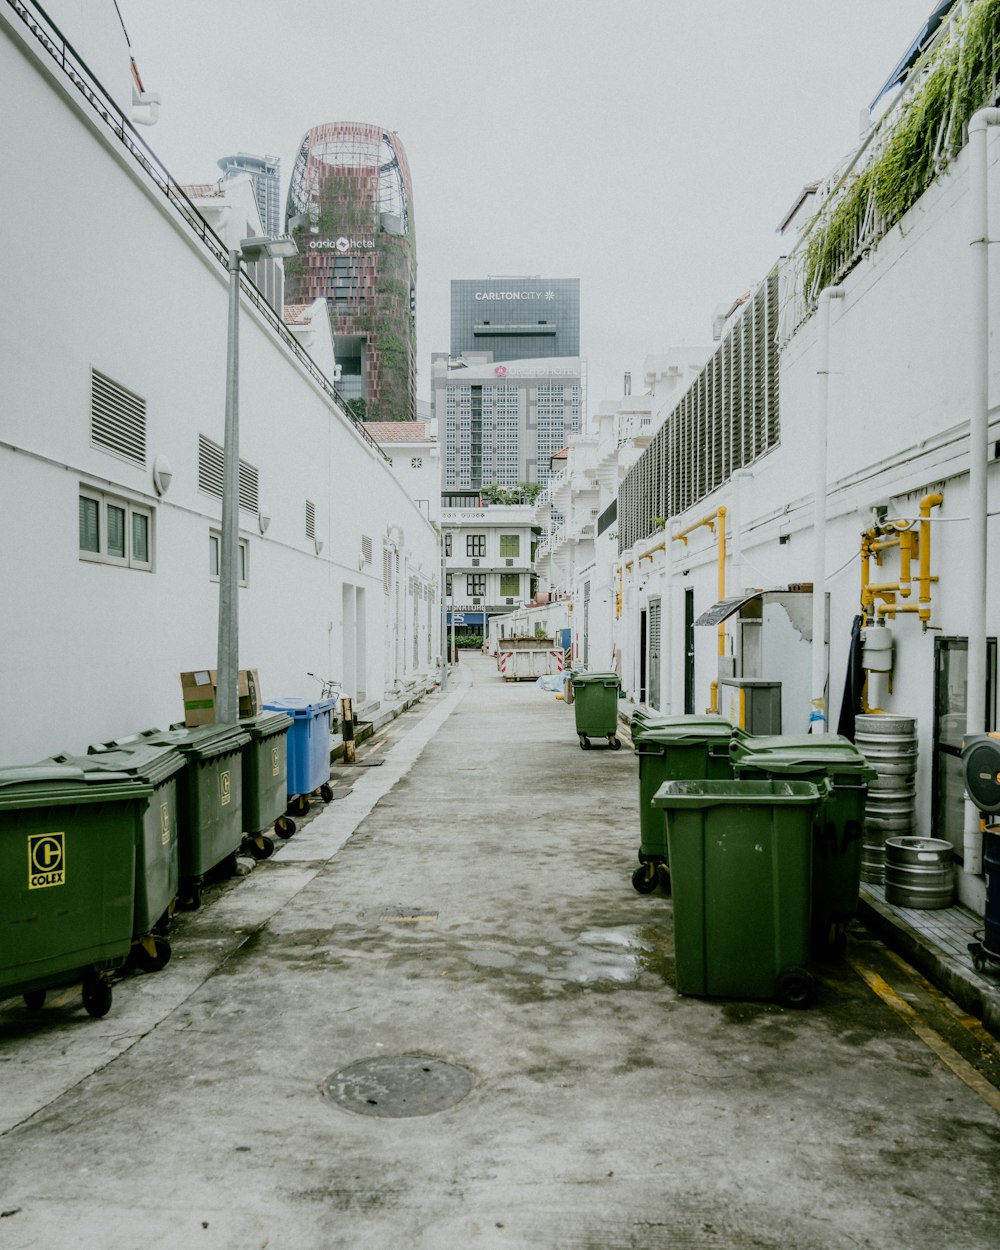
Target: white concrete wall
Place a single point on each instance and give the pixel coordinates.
(899, 394)
(92, 651)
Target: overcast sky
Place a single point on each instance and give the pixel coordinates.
(648, 147)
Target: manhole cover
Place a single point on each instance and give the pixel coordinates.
(394, 1086)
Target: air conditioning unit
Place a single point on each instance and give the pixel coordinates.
(475, 563)
(509, 563)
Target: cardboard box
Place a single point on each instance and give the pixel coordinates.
(199, 694)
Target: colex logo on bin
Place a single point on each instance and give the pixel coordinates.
(165, 824)
(225, 788)
(46, 860)
(275, 762)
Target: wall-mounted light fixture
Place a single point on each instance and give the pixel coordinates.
(263, 520)
(319, 545)
(162, 474)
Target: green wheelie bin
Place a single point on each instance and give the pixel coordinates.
(265, 781)
(67, 879)
(839, 825)
(741, 871)
(209, 799)
(675, 748)
(156, 867)
(595, 703)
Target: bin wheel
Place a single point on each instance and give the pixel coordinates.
(326, 792)
(194, 895)
(644, 879)
(260, 846)
(794, 987)
(97, 996)
(152, 962)
(284, 826)
(298, 806)
(34, 1000)
(615, 743)
(584, 742)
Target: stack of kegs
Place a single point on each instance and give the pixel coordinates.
(889, 744)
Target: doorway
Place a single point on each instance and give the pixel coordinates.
(951, 667)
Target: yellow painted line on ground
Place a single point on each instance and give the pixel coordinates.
(974, 1026)
(932, 1039)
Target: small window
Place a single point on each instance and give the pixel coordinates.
(447, 544)
(213, 558)
(475, 545)
(475, 584)
(510, 545)
(115, 531)
(447, 585)
(510, 584)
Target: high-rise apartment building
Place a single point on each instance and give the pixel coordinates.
(350, 209)
(511, 391)
(265, 174)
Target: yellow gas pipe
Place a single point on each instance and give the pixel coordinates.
(923, 606)
(716, 522)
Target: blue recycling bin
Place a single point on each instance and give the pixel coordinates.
(308, 747)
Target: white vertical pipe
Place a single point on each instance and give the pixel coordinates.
(979, 308)
(667, 626)
(227, 662)
(817, 708)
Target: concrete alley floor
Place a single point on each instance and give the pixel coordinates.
(462, 923)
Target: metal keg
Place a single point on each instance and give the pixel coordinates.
(919, 872)
(889, 743)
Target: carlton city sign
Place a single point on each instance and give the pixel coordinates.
(502, 295)
(342, 244)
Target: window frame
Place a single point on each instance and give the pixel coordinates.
(470, 580)
(215, 537)
(506, 540)
(130, 508)
(508, 578)
(475, 546)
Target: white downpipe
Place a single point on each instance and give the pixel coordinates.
(979, 306)
(736, 572)
(817, 705)
(667, 627)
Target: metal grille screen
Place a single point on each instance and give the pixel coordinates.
(117, 418)
(210, 471)
(726, 420)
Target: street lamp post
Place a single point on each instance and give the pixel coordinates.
(227, 696)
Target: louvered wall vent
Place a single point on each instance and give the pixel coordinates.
(117, 419)
(210, 469)
(366, 549)
(310, 519)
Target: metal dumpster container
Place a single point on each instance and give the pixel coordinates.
(67, 879)
(308, 748)
(677, 748)
(265, 781)
(209, 799)
(595, 703)
(156, 865)
(839, 827)
(741, 871)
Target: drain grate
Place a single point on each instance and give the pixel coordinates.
(395, 1086)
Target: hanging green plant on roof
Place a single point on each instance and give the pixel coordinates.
(961, 76)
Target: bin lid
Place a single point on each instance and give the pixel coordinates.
(580, 679)
(825, 760)
(301, 708)
(200, 742)
(735, 793)
(790, 742)
(686, 729)
(51, 783)
(143, 762)
(266, 724)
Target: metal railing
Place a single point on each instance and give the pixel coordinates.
(107, 111)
